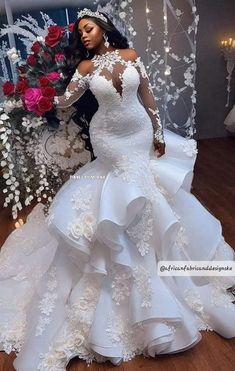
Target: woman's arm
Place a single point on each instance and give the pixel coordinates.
(148, 100)
(77, 86)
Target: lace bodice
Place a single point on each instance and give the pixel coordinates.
(114, 81)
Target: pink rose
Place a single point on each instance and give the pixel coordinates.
(59, 57)
(53, 76)
(31, 98)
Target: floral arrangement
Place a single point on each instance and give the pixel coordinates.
(40, 146)
(40, 76)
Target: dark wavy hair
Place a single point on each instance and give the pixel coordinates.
(87, 105)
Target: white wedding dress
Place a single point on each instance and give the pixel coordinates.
(83, 280)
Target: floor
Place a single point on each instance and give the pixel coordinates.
(214, 186)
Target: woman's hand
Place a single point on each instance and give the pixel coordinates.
(159, 148)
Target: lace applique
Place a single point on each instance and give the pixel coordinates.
(82, 198)
(150, 103)
(220, 297)
(143, 282)
(47, 304)
(83, 226)
(106, 60)
(190, 148)
(81, 82)
(181, 241)
(12, 337)
(138, 62)
(161, 189)
(158, 131)
(193, 299)
(121, 283)
(141, 232)
(137, 169)
(202, 325)
(130, 337)
(76, 88)
(74, 337)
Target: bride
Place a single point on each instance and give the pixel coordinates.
(83, 280)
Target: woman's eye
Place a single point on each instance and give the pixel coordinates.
(90, 29)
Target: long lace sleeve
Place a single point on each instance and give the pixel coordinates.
(147, 97)
(75, 89)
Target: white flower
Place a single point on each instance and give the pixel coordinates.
(88, 219)
(12, 55)
(123, 4)
(178, 12)
(122, 15)
(4, 117)
(76, 230)
(40, 39)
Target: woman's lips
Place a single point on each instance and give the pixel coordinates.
(86, 43)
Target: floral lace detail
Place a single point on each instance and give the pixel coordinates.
(181, 241)
(220, 297)
(82, 198)
(142, 279)
(47, 304)
(190, 148)
(136, 169)
(121, 283)
(106, 60)
(142, 231)
(155, 118)
(12, 337)
(130, 337)
(161, 189)
(73, 340)
(83, 226)
(193, 299)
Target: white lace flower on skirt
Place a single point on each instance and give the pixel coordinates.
(190, 148)
(84, 226)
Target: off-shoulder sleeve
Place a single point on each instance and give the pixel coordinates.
(75, 89)
(146, 95)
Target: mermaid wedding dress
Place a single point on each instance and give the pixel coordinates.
(82, 281)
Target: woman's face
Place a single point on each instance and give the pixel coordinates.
(91, 34)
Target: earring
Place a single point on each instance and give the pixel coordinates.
(106, 43)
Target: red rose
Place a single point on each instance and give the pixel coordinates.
(70, 27)
(43, 81)
(48, 91)
(21, 86)
(44, 104)
(55, 34)
(31, 60)
(8, 88)
(36, 47)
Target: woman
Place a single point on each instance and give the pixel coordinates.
(84, 281)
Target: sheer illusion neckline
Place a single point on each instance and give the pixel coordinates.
(106, 54)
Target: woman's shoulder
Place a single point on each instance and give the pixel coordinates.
(129, 53)
(84, 67)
